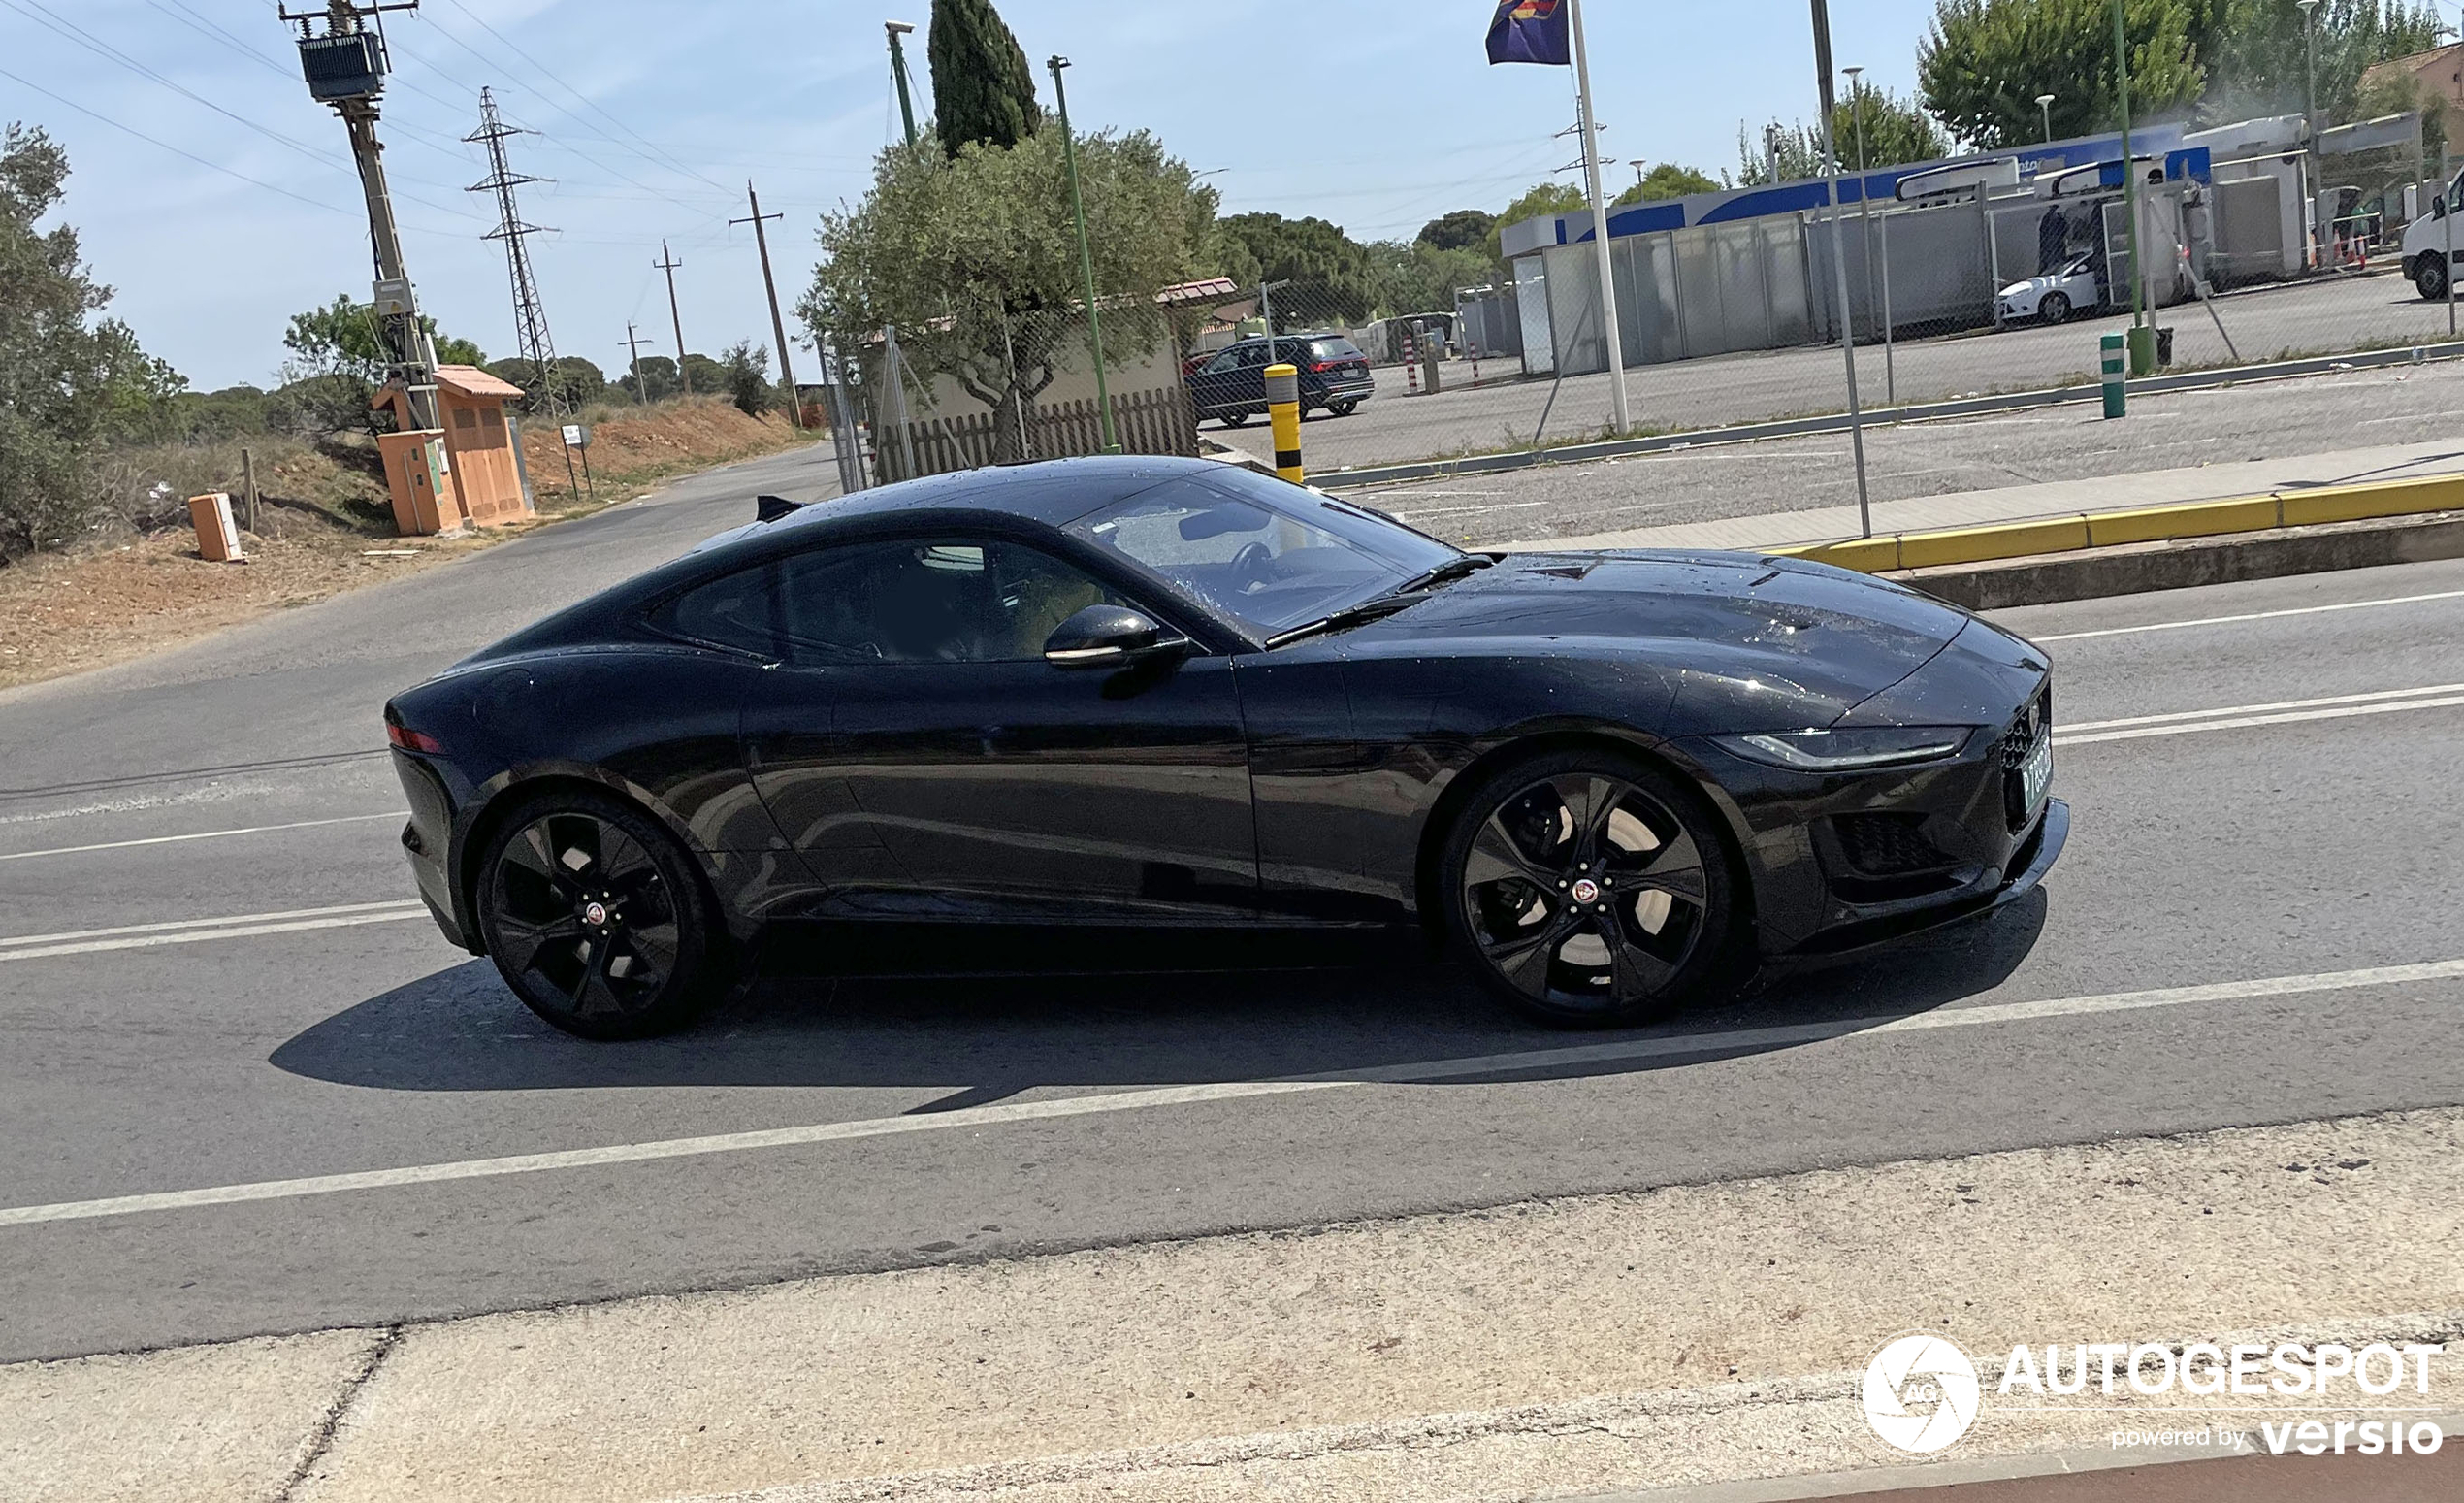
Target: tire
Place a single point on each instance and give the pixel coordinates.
(598, 919)
(1236, 419)
(1344, 409)
(2055, 309)
(1661, 929)
(2430, 278)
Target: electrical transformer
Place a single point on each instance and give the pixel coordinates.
(345, 65)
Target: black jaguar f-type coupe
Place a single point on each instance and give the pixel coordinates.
(1098, 696)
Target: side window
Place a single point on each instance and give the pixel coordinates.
(1226, 360)
(940, 601)
(739, 610)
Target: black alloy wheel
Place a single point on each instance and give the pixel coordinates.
(598, 919)
(2056, 309)
(1345, 409)
(1589, 889)
(1236, 419)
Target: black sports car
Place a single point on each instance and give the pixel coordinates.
(1111, 695)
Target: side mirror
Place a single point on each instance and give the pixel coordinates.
(2438, 209)
(1111, 636)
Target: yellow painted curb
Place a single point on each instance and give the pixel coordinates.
(1893, 551)
(2157, 524)
(1975, 545)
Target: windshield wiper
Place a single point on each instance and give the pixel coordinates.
(1401, 597)
(1444, 574)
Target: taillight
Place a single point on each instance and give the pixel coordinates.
(1322, 367)
(412, 741)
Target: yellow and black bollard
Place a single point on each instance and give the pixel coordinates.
(1283, 412)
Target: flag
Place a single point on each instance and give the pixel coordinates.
(1531, 31)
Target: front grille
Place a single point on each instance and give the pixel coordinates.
(1888, 845)
(2033, 725)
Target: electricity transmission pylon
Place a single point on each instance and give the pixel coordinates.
(529, 319)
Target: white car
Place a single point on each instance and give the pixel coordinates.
(2053, 297)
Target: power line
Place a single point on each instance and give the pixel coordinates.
(587, 102)
(132, 130)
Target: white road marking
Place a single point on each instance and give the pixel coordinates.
(2261, 709)
(138, 937)
(1013, 1112)
(2245, 722)
(203, 834)
(2256, 615)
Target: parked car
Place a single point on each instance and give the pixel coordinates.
(2429, 242)
(1334, 375)
(2052, 299)
(950, 721)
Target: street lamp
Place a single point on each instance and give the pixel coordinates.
(2310, 43)
(1085, 255)
(898, 72)
(2045, 103)
(1638, 164)
(1864, 226)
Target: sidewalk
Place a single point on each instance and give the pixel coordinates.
(2024, 503)
(1678, 1338)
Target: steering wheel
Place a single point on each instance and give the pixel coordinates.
(1253, 565)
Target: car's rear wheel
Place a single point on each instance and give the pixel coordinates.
(2431, 278)
(1344, 409)
(598, 920)
(2056, 309)
(1589, 888)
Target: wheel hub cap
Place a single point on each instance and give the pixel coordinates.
(595, 914)
(1585, 891)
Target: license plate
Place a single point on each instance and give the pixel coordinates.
(2036, 773)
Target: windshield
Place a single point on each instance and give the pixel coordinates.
(1271, 555)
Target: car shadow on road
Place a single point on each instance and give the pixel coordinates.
(980, 1040)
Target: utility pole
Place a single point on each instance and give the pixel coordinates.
(667, 263)
(778, 325)
(898, 72)
(531, 337)
(1611, 326)
(633, 342)
(2045, 106)
(345, 67)
(1839, 259)
(2142, 337)
(1085, 257)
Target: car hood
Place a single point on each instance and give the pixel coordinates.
(1808, 637)
(2032, 284)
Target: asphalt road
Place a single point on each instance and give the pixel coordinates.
(986, 1118)
(2311, 414)
(2265, 322)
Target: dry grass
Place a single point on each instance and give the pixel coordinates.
(323, 526)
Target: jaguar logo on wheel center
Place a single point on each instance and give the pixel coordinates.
(1920, 1393)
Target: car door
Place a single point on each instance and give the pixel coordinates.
(927, 761)
(1217, 384)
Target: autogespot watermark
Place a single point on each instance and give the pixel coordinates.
(1921, 1392)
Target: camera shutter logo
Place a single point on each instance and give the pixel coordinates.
(1920, 1393)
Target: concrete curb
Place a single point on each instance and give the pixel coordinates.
(2187, 562)
(1912, 412)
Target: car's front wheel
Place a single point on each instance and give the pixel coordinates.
(2430, 280)
(1589, 888)
(1236, 419)
(2056, 309)
(598, 920)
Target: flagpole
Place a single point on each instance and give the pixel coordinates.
(1599, 226)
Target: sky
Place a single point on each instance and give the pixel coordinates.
(218, 199)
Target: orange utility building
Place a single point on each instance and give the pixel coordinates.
(470, 471)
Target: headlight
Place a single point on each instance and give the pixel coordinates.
(1864, 746)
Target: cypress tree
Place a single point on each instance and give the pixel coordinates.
(982, 87)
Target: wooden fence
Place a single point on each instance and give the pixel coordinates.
(1144, 422)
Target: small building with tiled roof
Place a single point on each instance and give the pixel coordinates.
(481, 446)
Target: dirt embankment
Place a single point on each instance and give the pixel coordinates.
(324, 526)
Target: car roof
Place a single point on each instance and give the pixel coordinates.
(1050, 491)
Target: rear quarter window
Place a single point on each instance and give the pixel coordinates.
(738, 610)
(1334, 349)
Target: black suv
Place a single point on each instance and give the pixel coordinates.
(1232, 385)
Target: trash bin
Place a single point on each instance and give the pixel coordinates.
(2164, 347)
